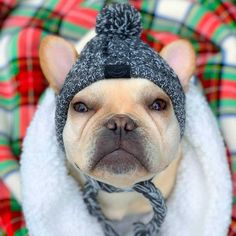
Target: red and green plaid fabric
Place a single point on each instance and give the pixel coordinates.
(209, 25)
(11, 218)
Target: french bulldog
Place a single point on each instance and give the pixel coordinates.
(120, 131)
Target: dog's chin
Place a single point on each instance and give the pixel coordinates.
(120, 168)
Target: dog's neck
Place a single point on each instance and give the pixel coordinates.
(118, 205)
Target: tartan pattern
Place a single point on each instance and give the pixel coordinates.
(11, 218)
(209, 25)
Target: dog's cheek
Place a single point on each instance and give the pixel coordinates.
(171, 142)
(152, 147)
(71, 139)
(154, 158)
(162, 143)
(79, 145)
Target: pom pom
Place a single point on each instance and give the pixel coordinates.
(122, 20)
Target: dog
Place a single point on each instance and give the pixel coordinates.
(121, 141)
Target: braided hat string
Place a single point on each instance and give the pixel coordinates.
(149, 191)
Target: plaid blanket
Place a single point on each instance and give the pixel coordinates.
(209, 25)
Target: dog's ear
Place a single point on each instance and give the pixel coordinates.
(56, 59)
(181, 57)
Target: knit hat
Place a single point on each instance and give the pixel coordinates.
(118, 52)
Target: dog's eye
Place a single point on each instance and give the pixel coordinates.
(158, 105)
(80, 107)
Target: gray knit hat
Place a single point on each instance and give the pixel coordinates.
(118, 52)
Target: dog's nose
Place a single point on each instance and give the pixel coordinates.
(120, 124)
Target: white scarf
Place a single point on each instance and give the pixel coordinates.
(200, 203)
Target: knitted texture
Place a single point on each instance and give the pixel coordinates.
(118, 43)
(147, 188)
(123, 21)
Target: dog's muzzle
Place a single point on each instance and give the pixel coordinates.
(119, 147)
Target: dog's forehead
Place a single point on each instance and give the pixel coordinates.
(134, 87)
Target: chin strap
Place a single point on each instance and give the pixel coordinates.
(149, 191)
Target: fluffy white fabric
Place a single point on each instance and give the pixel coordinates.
(199, 205)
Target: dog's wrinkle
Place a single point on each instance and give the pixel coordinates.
(77, 165)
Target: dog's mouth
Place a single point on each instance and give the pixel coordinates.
(116, 154)
(119, 161)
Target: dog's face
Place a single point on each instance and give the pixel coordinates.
(119, 131)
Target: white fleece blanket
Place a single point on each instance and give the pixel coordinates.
(199, 205)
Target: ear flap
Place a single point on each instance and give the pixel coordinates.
(56, 59)
(181, 57)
